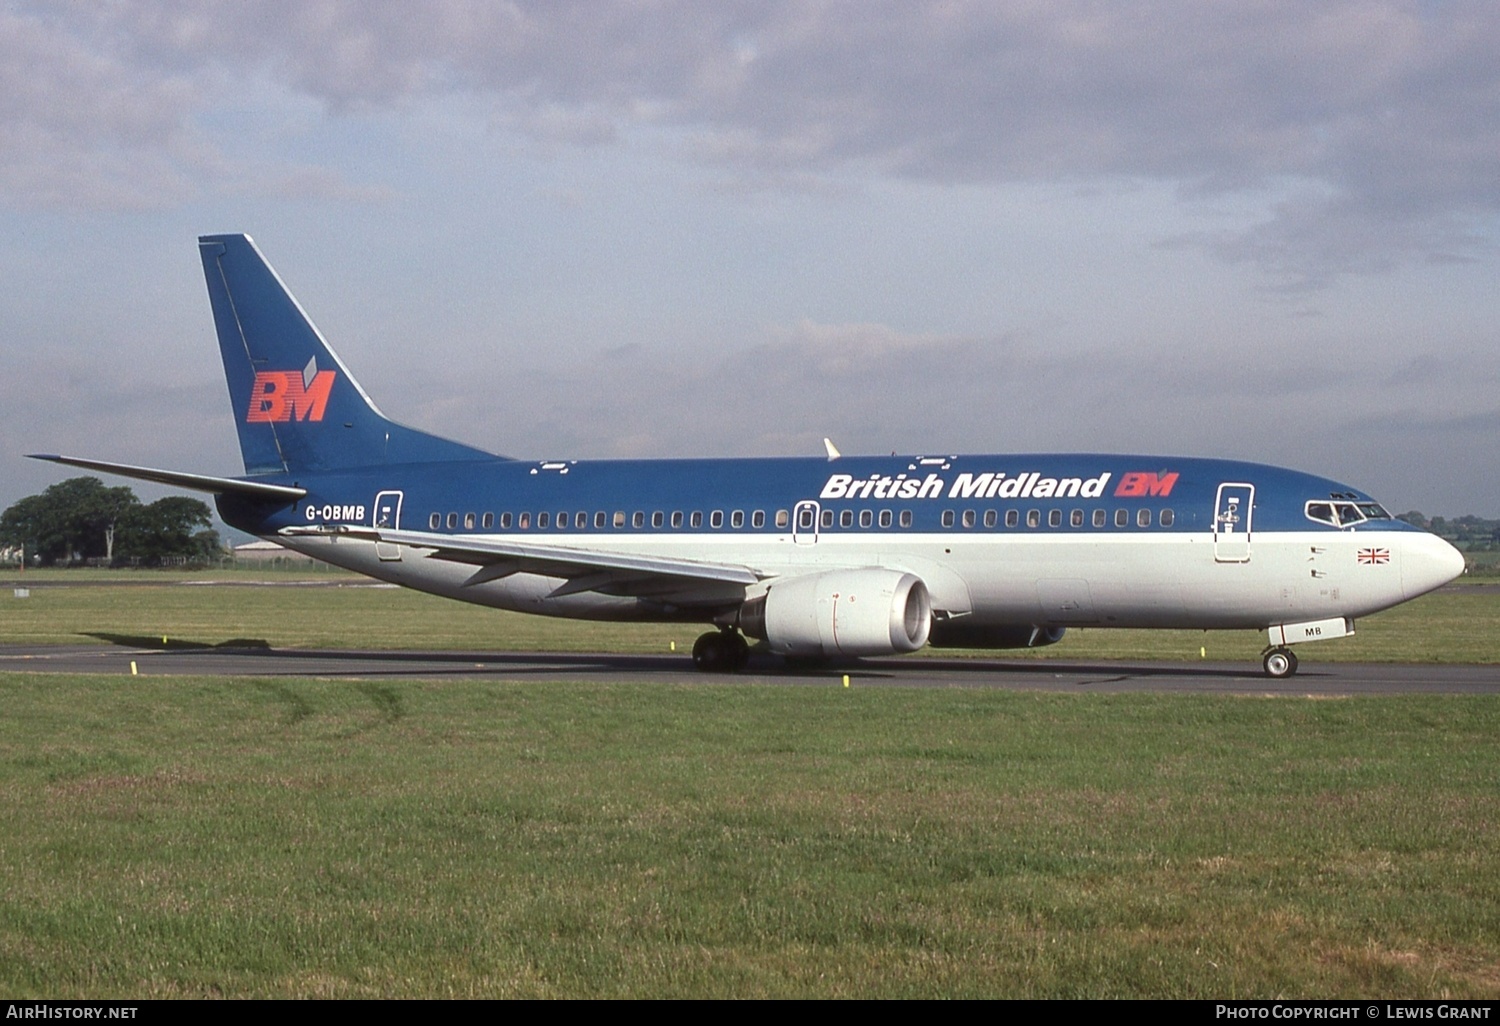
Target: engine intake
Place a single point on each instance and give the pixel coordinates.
(870, 611)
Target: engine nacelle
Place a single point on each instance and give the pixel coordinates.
(961, 633)
(871, 611)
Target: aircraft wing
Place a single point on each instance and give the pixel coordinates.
(178, 479)
(666, 578)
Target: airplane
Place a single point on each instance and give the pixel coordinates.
(818, 558)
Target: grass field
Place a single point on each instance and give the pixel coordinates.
(192, 837)
(197, 837)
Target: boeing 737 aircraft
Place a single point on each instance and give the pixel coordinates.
(817, 558)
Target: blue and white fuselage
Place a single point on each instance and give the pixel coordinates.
(817, 557)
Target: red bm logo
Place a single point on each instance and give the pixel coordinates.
(281, 396)
(1138, 483)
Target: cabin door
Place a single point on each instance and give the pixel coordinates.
(805, 522)
(387, 515)
(1233, 507)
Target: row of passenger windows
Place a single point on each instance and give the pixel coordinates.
(757, 519)
(1076, 518)
(579, 521)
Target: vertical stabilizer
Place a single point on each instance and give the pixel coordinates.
(296, 406)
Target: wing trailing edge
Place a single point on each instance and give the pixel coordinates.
(582, 569)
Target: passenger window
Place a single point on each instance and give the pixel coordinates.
(866, 517)
(1033, 518)
(716, 519)
(1075, 518)
(737, 519)
(505, 521)
(828, 518)
(452, 521)
(696, 520)
(542, 519)
(525, 521)
(1100, 518)
(846, 518)
(677, 518)
(1168, 518)
(947, 518)
(619, 518)
(435, 521)
(804, 518)
(638, 519)
(968, 518)
(758, 518)
(1122, 518)
(601, 518)
(489, 521)
(562, 521)
(991, 518)
(657, 519)
(885, 518)
(1012, 517)
(783, 518)
(906, 518)
(469, 521)
(1143, 518)
(1054, 518)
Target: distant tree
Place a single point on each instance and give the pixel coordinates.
(74, 519)
(166, 528)
(82, 519)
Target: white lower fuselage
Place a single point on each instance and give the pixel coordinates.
(1175, 580)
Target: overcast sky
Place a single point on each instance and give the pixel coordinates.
(1257, 229)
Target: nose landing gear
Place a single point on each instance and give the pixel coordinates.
(1280, 662)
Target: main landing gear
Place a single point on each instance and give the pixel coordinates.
(1280, 662)
(721, 651)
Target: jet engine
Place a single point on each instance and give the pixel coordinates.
(961, 633)
(871, 611)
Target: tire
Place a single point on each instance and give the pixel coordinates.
(1280, 663)
(709, 652)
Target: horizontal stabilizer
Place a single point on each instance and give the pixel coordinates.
(177, 479)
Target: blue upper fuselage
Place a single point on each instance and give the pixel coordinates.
(1076, 492)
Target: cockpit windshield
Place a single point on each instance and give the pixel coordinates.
(1342, 513)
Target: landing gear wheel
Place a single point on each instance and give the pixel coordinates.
(1280, 662)
(720, 652)
(739, 650)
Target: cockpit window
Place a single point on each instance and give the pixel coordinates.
(1322, 512)
(1344, 514)
(1348, 513)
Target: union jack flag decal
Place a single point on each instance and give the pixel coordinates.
(1372, 557)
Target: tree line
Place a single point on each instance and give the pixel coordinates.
(80, 520)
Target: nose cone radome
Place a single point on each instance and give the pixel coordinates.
(1428, 562)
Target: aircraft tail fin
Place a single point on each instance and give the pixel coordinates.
(296, 406)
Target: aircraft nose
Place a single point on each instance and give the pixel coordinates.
(1428, 562)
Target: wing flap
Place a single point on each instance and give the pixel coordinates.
(615, 573)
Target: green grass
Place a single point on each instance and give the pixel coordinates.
(1454, 625)
(199, 837)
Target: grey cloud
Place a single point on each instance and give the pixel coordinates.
(1390, 109)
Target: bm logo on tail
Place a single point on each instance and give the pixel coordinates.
(279, 397)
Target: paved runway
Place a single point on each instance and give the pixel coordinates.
(1036, 675)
